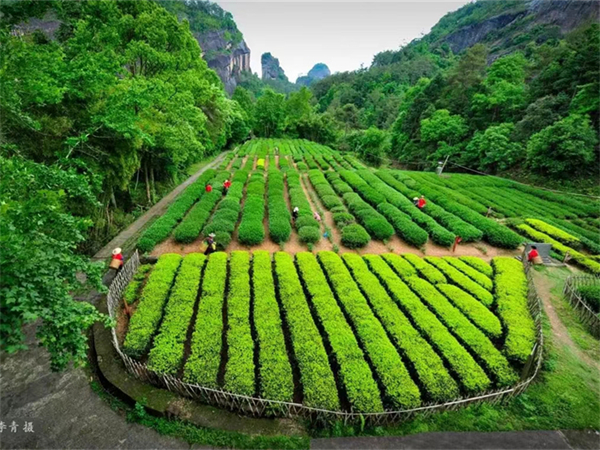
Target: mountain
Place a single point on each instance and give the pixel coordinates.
(318, 72)
(223, 46)
(271, 70)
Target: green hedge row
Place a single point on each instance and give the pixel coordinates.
(581, 259)
(475, 275)
(401, 266)
(375, 224)
(354, 372)
(225, 217)
(437, 383)
(162, 227)
(166, 354)
(280, 227)
(469, 334)
(473, 309)
(284, 163)
(360, 186)
(403, 224)
(148, 313)
(556, 233)
(453, 223)
(189, 228)
(479, 264)
(462, 281)
(251, 230)
(132, 291)
(355, 236)
(275, 372)
(308, 228)
(426, 270)
(324, 190)
(458, 359)
(400, 390)
(202, 366)
(239, 371)
(338, 185)
(437, 232)
(511, 290)
(568, 201)
(318, 382)
(589, 239)
(249, 164)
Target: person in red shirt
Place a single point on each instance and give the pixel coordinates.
(208, 188)
(226, 186)
(533, 253)
(117, 256)
(421, 203)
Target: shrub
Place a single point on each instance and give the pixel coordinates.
(427, 271)
(317, 378)
(275, 372)
(251, 232)
(511, 298)
(470, 335)
(279, 228)
(404, 226)
(166, 355)
(338, 209)
(556, 233)
(479, 278)
(428, 366)
(591, 296)
(162, 227)
(341, 219)
(202, 366)
(130, 295)
(309, 235)
(222, 239)
(467, 232)
(239, 371)
(459, 360)
(479, 264)
(462, 281)
(230, 203)
(331, 201)
(306, 221)
(400, 389)
(354, 372)
(146, 318)
(473, 309)
(355, 236)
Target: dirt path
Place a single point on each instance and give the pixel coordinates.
(544, 285)
(157, 210)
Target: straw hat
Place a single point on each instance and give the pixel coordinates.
(416, 198)
(116, 251)
(212, 234)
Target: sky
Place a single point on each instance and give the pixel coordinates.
(343, 35)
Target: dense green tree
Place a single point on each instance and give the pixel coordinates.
(269, 116)
(492, 150)
(39, 266)
(444, 132)
(564, 149)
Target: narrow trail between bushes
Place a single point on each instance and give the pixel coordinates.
(544, 285)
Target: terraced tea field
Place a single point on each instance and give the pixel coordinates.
(367, 210)
(353, 333)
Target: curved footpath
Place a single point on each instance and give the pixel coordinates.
(64, 412)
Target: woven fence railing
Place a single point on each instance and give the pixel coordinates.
(587, 316)
(259, 407)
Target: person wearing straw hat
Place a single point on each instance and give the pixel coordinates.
(211, 245)
(117, 259)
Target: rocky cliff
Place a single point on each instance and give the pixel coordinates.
(318, 72)
(527, 21)
(271, 70)
(224, 57)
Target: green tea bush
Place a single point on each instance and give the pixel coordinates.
(469, 334)
(400, 389)
(437, 383)
(354, 372)
(471, 376)
(479, 278)
(222, 239)
(591, 296)
(202, 366)
(355, 236)
(306, 221)
(239, 370)
(341, 219)
(556, 233)
(309, 235)
(479, 264)
(318, 382)
(146, 318)
(251, 232)
(166, 354)
(511, 291)
(426, 270)
(473, 309)
(404, 226)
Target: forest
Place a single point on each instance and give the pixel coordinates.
(106, 110)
